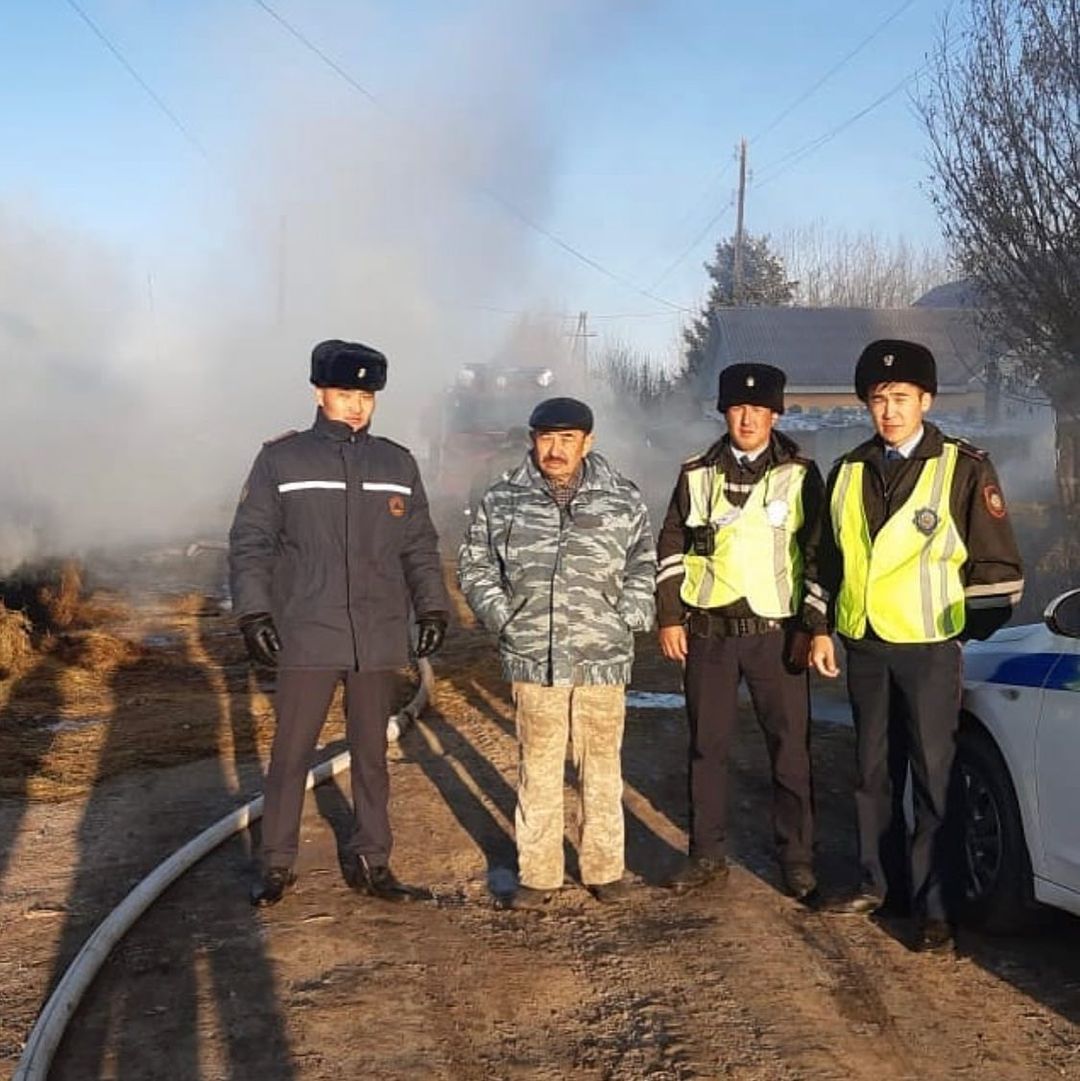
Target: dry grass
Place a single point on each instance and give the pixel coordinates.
(96, 687)
(62, 598)
(98, 703)
(96, 651)
(16, 650)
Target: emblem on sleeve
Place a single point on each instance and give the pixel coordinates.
(926, 520)
(995, 501)
(396, 505)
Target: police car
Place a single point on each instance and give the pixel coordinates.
(1019, 769)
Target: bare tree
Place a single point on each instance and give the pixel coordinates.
(631, 375)
(1002, 110)
(835, 268)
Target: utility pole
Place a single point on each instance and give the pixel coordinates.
(581, 335)
(737, 267)
(153, 318)
(282, 254)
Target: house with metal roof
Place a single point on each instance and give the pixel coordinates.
(818, 348)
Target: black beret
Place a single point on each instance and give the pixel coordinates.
(751, 384)
(890, 360)
(348, 365)
(560, 415)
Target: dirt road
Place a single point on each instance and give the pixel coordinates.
(741, 984)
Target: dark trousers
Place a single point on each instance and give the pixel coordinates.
(780, 695)
(905, 700)
(301, 702)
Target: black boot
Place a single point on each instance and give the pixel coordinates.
(699, 871)
(377, 880)
(932, 936)
(799, 880)
(271, 886)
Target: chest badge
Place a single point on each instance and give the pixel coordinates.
(776, 512)
(926, 520)
(396, 505)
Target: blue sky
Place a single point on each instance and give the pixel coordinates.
(611, 124)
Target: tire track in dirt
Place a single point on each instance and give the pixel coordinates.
(836, 996)
(741, 984)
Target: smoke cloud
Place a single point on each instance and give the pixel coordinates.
(132, 413)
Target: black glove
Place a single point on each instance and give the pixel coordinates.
(261, 638)
(430, 632)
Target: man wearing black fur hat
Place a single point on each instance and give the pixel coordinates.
(920, 555)
(331, 545)
(736, 565)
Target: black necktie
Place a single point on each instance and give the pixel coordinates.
(744, 461)
(892, 454)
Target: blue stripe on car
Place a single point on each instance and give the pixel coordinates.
(1051, 671)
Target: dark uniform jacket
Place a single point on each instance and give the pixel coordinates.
(333, 538)
(674, 540)
(992, 575)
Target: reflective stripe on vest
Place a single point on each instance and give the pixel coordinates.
(906, 582)
(756, 553)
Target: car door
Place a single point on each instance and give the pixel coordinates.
(1057, 767)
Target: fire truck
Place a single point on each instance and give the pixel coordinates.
(481, 428)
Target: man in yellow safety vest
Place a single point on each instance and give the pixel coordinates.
(921, 554)
(735, 572)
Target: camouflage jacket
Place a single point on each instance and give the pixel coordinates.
(563, 589)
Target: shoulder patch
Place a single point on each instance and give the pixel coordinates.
(994, 500)
(969, 449)
(279, 438)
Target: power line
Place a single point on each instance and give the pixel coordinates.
(149, 90)
(793, 157)
(783, 164)
(842, 62)
(495, 196)
(324, 57)
(705, 230)
(774, 123)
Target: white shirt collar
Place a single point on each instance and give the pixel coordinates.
(905, 448)
(749, 455)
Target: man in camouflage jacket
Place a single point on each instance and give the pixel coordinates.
(559, 562)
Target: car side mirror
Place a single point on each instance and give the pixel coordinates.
(1062, 614)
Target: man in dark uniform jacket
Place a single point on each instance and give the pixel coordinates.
(331, 545)
(736, 567)
(920, 556)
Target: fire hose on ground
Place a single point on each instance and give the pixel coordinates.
(58, 1010)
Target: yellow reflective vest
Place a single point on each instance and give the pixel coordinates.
(755, 554)
(906, 581)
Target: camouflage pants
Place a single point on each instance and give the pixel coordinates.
(592, 717)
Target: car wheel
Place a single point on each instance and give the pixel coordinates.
(996, 889)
